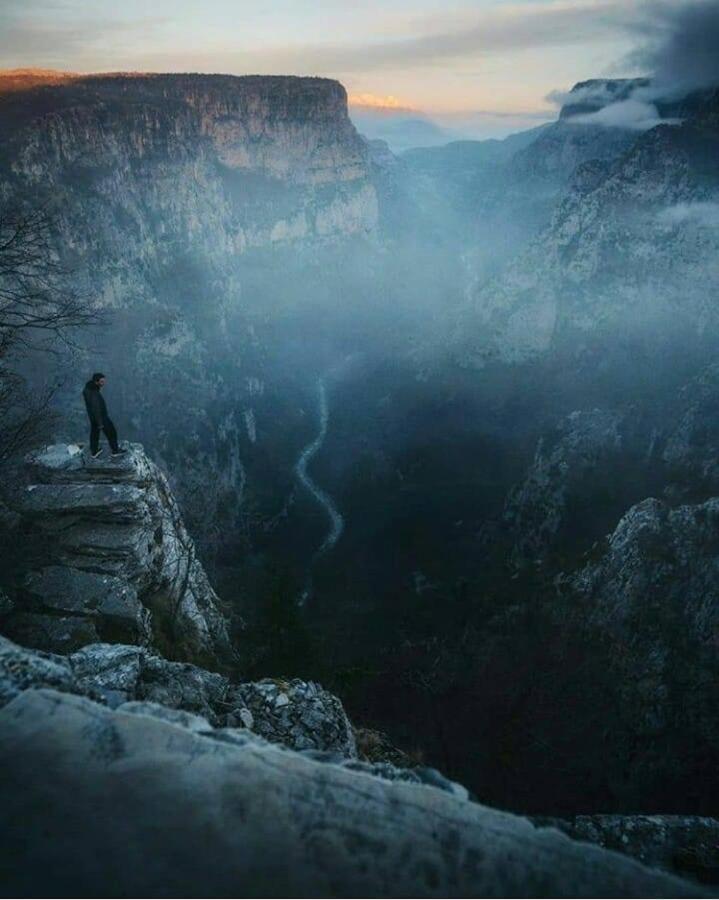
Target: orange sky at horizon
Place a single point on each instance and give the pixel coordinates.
(477, 58)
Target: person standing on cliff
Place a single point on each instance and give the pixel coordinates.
(99, 419)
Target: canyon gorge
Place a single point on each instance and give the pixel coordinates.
(437, 431)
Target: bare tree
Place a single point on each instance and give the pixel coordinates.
(37, 302)
(22, 417)
(39, 309)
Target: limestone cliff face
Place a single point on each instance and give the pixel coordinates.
(631, 249)
(650, 591)
(149, 175)
(195, 211)
(112, 133)
(113, 560)
(692, 446)
(560, 478)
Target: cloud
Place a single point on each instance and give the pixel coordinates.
(511, 27)
(401, 132)
(598, 93)
(678, 48)
(631, 114)
(480, 124)
(704, 214)
(386, 102)
(47, 29)
(616, 103)
(49, 32)
(678, 45)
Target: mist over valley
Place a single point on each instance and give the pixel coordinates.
(431, 423)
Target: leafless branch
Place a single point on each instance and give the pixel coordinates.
(38, 305)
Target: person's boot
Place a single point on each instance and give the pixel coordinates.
(119, 452)
(96, 454)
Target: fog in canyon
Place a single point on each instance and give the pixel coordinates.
(443, 425)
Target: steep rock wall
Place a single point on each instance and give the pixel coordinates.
(630, 256)
(649, 594)
(111, 560)
(197, 212)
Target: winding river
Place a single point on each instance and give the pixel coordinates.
(322, 498)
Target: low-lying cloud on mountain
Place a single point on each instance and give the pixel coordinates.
(703, 214)
(676, 50)
(633, 114)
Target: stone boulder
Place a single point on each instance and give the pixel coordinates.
(122, 673)
(21, 669)
(298, 714)
(111, 560)
(122, 803)
(376, 747)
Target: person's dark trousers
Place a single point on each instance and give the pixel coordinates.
(110, 434)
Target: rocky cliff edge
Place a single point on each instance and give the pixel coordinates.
(109, 559)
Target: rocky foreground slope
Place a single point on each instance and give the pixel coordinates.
(686, 843)
(142, 800)
(298, 714)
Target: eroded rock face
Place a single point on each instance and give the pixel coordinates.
(291, 130)
(650, 597)
(172, 811)
(113, 560)
(598, 273)
(561, 476)
(659, 560)
(692, 447)
(686, 845)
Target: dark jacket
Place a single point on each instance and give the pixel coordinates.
(94, 403)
